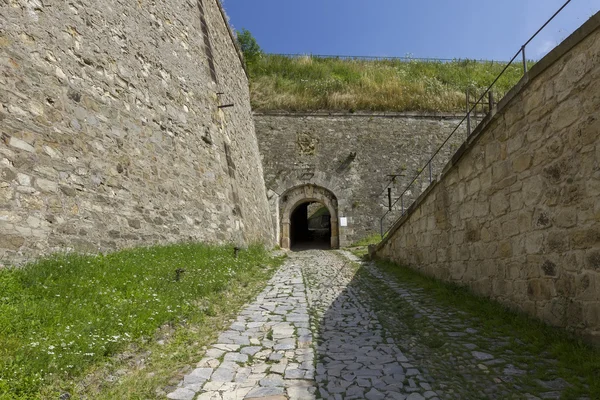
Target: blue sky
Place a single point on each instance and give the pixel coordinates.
(482, 29)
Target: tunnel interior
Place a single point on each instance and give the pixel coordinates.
(310, 227)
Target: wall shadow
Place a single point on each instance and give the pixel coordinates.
(381, 338)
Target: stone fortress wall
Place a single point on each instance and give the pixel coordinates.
(351, 155)
(516, 214)
(111, 131)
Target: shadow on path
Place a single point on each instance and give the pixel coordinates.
(376, 338)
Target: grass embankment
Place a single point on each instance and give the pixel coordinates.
(64, 320)
(307, 83)
(577, 362)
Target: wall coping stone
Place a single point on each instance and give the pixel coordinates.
(358, 114)
(233, 37)
(589, 27)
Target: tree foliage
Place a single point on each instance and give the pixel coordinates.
(250, 48)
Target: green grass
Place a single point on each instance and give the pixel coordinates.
(307, 83)
(367, 240)
(578, 361)
(70, 316)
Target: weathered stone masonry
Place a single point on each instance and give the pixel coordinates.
(516, 214)
(112, 135)
(351, 156)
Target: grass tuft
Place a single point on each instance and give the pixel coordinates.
(367, 240)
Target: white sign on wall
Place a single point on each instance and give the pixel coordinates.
(343, 221)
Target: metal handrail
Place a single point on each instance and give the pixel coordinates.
(466, 117)
(383, 58)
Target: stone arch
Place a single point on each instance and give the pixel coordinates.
(298, 195)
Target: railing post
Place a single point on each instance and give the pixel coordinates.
(381, 226)
(524, 60)
(390, 199)
(468, 116)
(491, 100)
(430, 173)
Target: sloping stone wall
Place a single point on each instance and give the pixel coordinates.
(516, 214)
(352, 155)
(111, 131)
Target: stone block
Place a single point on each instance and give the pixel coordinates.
(592, 260)
(481, 208)
(541, 289)
(499, 204)
(485, 178)
(510, 228)
(11, 242)
(549, 268)
(584, 238)
(557, 242)
(45, 185)
(565, 218)
(566, 286)
(542, 218)
(534, 242)
(513, 271)
(533, 187)
(7, 175)
(591, 313)
(587, 286)
(521, 162)
(505, 249)
(20, 144)
(566, 114)
(6, 193)
(501, 170)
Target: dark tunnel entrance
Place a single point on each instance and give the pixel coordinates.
(310, 227)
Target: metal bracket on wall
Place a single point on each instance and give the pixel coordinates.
(394, 176)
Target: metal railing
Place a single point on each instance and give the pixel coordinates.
(385, 58)
(468, 119)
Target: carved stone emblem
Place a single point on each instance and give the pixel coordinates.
(307, 143)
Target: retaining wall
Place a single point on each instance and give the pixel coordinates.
(516, 213)
(352, 155)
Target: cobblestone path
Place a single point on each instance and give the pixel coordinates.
(326, 328)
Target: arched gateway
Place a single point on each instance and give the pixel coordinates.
(294, 204)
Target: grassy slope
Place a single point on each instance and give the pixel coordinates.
(299, 84)
(64, 318)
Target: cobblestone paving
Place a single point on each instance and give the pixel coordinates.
(323, 328)
(267, 352)
(356, 357)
